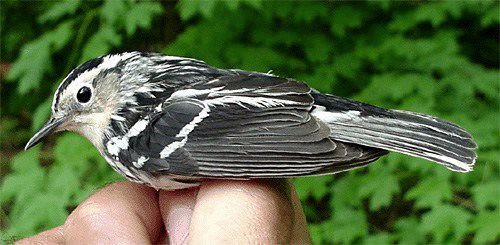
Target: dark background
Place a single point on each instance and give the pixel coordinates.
(439, 58)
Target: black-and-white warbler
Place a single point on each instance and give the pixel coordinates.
(169, 122)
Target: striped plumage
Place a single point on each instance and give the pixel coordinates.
(170, 121)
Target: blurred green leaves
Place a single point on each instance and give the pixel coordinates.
(59, 10)
(486, 227)
(446, 223)
(116, 18)
(190, 8)
(345, 227)
(140, 16)
(438, 58)
(430, 192)
(486, 194)
(345, 18)
(379, 187)
(35, 57)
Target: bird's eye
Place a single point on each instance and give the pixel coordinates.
(83, 95)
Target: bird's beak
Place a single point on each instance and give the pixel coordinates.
(50, 127)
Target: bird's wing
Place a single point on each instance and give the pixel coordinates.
(241, 126)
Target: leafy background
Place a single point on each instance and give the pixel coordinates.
(439, 58)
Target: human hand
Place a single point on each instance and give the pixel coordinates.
(254, 211)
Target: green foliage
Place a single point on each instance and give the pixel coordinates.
(430, 192)
(378, 187)
(35, 58)
(439, 58)
(345, 226)
(408, 232)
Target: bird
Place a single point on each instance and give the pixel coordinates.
(171, 122)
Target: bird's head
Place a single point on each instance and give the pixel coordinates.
(111, 92)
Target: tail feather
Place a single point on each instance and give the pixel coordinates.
(409, 133)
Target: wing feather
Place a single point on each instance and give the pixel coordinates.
(244, 126)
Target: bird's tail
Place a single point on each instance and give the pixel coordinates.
(406, 132)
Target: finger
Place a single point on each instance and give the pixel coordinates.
(123, 212)
(52, 236)
(300, 233)
(176, 209)
(256, 211)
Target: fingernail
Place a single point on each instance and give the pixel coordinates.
(179, 221)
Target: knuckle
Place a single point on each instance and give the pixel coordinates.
(87, 216)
